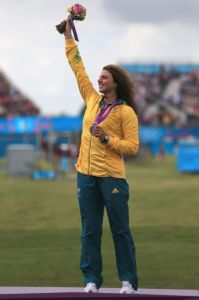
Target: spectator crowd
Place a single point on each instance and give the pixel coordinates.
(168, 98)
(13, 102)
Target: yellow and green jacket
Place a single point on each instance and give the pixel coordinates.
(96, 158)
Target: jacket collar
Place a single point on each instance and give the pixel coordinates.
(102, 102)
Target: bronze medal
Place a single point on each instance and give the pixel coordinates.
(103, 114)
(92, 128)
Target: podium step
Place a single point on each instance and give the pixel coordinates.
(76, 293)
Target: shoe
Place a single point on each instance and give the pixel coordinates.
(91, 288)
(127, 288)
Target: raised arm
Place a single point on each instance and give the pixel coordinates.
(72, 53)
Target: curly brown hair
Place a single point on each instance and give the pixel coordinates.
(125, 87)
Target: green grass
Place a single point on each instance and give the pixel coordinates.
(40, 230)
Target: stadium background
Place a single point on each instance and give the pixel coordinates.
(167, 97)
(39, 218)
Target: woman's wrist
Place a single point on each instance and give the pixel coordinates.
(68, 36)
(68, 29)
(104, 139)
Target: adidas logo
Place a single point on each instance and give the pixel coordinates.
(114, 191)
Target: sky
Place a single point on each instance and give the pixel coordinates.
(32, 52)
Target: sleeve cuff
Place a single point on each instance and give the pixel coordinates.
(110, 141)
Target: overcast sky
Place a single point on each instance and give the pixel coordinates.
(32, 52)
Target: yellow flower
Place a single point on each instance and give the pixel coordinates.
(70, 9)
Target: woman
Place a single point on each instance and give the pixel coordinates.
(110, 129)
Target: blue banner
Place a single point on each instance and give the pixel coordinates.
(33, 125)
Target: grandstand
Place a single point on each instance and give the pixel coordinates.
(167, 95)
(13, 102)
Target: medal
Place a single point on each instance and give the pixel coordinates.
(92, 128)
(103, 114)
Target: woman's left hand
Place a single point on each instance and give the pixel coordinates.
(99, 132)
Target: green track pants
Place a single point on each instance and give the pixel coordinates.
(94, 194)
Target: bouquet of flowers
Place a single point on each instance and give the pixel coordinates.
(77, 12)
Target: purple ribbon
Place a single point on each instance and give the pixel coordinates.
(73, 28)
(103, 113)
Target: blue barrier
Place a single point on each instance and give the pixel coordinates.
(25, 129)
(44, 175)
(187, 157)
(169, 146)
(33, 125)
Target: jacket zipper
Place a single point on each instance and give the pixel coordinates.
(89, 156)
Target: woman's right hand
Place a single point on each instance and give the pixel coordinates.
(68, 29)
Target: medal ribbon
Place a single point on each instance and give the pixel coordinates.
(104, 113)
(73, 28)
